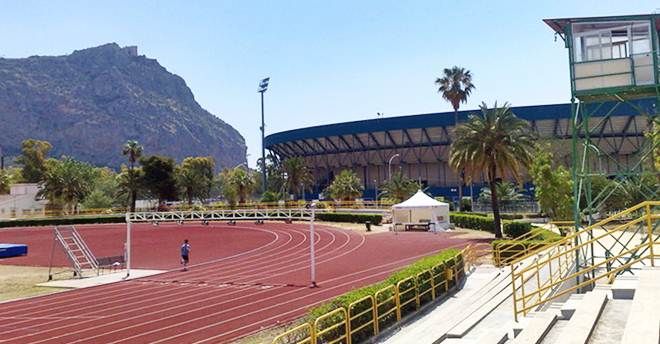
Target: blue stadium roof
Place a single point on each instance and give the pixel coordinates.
(441, 119)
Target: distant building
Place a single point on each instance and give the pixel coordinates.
(132, 50)
(22, 201)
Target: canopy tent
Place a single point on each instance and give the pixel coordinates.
(420, 209)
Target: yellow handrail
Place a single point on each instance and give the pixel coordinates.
(320, 331)
(341, 319)
(560, 260)
(352, 316)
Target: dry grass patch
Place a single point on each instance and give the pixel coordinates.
(18, 282)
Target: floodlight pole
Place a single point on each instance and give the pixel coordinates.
(263, 86)
(311, 248)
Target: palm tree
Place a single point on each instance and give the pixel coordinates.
(494, 141)
(133, 150)
(456, 86)
(400, 187)
(346, 186)
(298, 175)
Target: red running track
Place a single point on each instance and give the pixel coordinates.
(248, 277)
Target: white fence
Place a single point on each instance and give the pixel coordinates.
(222, 215)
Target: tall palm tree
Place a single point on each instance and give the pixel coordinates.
(133, 150)
(455, 85)
(494, 141)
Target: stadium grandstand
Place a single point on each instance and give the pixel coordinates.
(418, 145)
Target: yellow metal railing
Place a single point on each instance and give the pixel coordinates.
(507, 251)
(365, 309)
(370, 315)
(572, 263)
(302, 334)
(332, 327)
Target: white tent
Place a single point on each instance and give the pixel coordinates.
(419, 209)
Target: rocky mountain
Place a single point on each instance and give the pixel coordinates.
(89, 103)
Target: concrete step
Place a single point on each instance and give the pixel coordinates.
(579, 327)
(434, 324)
(643, 323)
(536, 328)
(553, 335)
(624, 287)
(474, 313)
(568, 308)
(612, 322)
(495, 337)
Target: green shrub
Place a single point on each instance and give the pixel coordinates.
(63, 221)
(515, 229)
(476, 222)
(511, 216)
(348, 217)
(484, 223)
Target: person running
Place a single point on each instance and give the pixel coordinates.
(185, 254)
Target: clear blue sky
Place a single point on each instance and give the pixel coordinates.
(329, 61)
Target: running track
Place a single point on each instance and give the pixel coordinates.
(242, 285)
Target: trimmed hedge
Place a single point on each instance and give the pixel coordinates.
(348, 217)
(476, 222)
(515, 229)
(483, 223)
(63, 221)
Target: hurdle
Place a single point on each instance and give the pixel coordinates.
(230, 216)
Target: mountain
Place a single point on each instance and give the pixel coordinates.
(88, 103)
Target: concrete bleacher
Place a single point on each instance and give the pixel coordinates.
(626, 311)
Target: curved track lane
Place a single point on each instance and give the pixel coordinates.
(223, 298)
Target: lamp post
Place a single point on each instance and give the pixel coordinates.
(263, 87)
(389, 166)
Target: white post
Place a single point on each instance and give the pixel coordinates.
(311, 248)
(128, 246)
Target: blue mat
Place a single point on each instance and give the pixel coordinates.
(12, 250)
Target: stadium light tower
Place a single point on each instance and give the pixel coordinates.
(263, 87)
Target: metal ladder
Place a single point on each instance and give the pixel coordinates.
(77, 251)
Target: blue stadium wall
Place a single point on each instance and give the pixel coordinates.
(423, 141)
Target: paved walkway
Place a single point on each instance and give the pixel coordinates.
(87, 282)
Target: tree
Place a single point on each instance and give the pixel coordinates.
(104, 190)
(297, 175)
(346, 186)
(34, 154)
(130, 185)
(5, 182)
(274, 173)
(237, 183)
(455, 85)
(67, 182)
(494, 141)
(158, 179)
(133, 151)
(194, 177)
(399, 187)
(553, 186)
(506, 192)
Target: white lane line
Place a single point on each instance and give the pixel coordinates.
(187, 290)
